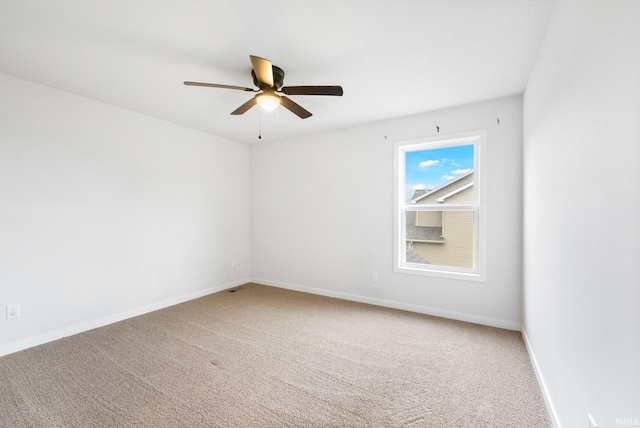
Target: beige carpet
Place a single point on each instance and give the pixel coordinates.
(267, 357)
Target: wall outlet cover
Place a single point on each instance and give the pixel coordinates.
(13, 311)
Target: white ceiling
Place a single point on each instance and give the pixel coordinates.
(392, 57)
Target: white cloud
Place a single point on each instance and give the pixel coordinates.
(418, 186)
(428, 163)
(447, 177)
(461, 171)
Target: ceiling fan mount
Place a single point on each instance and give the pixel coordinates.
(269, 79)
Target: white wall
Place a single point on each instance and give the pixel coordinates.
(106, 213)
(322, 215)
(582, 212)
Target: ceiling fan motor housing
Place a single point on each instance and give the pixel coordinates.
(278, 78)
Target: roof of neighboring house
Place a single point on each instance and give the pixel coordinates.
(412, 257)
(421, 233)
(421, 194)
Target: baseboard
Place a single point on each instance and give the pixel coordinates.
(100, 322)
(475, 319)
(543, 386)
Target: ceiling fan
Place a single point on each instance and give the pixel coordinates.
(269, 79)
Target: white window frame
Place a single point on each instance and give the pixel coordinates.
(479, 139)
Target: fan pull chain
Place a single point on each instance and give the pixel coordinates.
(277, 122)
(259, 124)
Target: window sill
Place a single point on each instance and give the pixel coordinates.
(462, 275)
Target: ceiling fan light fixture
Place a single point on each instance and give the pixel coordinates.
(268, 101)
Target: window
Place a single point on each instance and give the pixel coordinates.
(440, 222)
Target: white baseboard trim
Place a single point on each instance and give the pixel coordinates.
(475, 319)
(543, 386)
(110, 319)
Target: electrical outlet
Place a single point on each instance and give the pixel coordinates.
(374, 277)
(592, 423)
(13, 311)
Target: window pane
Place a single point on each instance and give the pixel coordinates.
(440, 176)
(441, 238)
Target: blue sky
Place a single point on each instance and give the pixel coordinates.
(427, 169)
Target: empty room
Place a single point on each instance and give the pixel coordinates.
(320, 214)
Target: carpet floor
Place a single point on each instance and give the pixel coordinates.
(259, 356)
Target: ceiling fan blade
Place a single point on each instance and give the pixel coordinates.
(294, 108)
(244, 107)
(215, 85)
(312, 90)
(263, 69)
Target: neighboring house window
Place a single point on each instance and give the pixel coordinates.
(440, 221)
